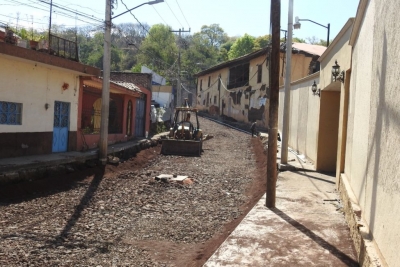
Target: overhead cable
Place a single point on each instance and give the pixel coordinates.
(173, 13)
(182, 13)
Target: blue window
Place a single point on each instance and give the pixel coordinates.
(10, 113)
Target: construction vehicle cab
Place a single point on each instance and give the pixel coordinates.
(185, 136)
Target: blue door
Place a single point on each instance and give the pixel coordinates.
(61, 123)
(140, 117)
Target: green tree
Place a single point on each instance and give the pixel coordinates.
(261, 42)
(241, 47)
(159, 50)
(298, 40)
(213, 35)
(316, 41)
(224, 49)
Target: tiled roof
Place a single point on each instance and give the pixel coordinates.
(130, 86)
(309, 48)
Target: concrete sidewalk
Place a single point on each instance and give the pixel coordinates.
(307, 227)
(34, 167)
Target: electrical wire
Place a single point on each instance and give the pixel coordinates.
(234, 90)
(39, 6)
(73, 11)
(159, 15)
(23, 19)
(129, 42)
(135, 17)
(173, 13)
(182, 13)
(186, 89)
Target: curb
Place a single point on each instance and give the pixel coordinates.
(39, 170)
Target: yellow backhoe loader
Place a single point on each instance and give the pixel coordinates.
(185, 136)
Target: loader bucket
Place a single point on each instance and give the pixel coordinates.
(181, 147)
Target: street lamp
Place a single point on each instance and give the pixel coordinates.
(297, 25)
(105, 94)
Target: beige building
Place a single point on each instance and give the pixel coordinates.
(354, 130)
(39, 100)
(369, 166)
(239, 88)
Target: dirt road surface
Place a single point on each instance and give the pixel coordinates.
(121, 216)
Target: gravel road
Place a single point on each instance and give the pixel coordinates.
(121, 216)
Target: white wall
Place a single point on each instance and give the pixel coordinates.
(304, 116)
(373, 139)
(34, 85)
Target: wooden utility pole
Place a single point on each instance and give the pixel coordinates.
(272, 171)
(179, 89)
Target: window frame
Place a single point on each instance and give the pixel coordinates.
(7, 113)
(259, 73)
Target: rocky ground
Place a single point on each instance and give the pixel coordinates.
(122, 216)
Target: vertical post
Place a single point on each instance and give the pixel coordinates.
(51, 11)
(178, 93)
(288, 78)
(327, 39)
(274, 103)
(105, 93)
(219, 94)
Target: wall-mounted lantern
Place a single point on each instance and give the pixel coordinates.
(46, 106)
(314, 89)
(336, 73)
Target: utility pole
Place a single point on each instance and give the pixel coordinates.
(274, 103)
(288, 78)
(105, 92)
(51, 12)
(179, 88)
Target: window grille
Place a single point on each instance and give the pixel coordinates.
(10, 113)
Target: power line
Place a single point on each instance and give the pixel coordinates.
(22, 19)
(98, 12)
(73, 11)
(159, 14)
(173, 13)
(40, 6)
(134, 17)
(166, 65)
(182, 13)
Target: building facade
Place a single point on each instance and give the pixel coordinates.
(39, 99)
(239, 88)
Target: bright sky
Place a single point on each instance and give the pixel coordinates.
(236, 17)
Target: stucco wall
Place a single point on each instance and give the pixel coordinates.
(304, 116)
(300, 67)
(340, 50)
(373, 139)
(34, 85)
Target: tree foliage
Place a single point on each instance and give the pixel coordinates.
(135, 45)
(213, 35)
(241, 47)
(159, 49)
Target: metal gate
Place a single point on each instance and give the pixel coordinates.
(61, 123)
(140, 117)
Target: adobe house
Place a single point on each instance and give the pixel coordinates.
(51, 103)
(126, 112)
(239, 88)
(39, 99)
